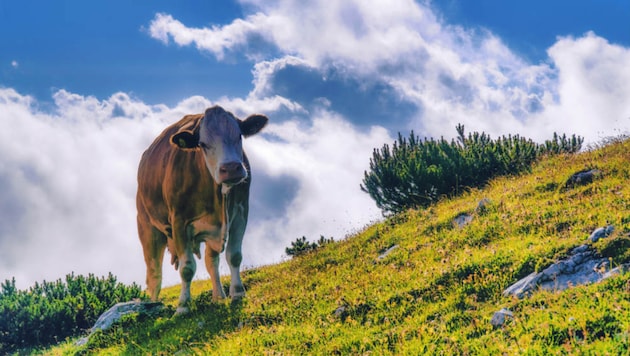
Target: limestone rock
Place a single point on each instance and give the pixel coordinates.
(483, 206)
(583, 266)
(116, 312)
(601, 232)
(387, 252)
(582, 177)
(462, 220)
(499, 318)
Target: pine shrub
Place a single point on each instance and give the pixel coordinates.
(414, 173)
(49, 312)
(300, 246)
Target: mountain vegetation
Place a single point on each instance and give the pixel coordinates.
(415, 173)
(436, 291)
(301, 246)
(49, 312)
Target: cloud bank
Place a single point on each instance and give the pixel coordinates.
(68, 182)
(336, 80)
(400, 54)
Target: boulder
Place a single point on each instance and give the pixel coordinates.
(583, 266)
(601, 232)
(115, 313)
(582, 177)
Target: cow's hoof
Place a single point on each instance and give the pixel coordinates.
(237, 293)
(182, 311)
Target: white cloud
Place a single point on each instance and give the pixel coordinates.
(216, 40)
(453, 74)
(15, 64)
(365, 33)
(68, 182)
(327, 158)
(70, 175)
(593, 87)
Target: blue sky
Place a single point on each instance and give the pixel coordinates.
(530, 27)
(99, 47)
(85, 86)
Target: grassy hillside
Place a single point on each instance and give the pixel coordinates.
(436, 292)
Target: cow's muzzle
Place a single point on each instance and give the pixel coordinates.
(231, 173)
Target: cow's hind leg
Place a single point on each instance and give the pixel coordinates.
(153, 246)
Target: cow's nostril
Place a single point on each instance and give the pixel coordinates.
(229, 167)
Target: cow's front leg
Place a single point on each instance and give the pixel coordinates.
(236, 211)
(187, 265)
(187, 268)
(234, 256)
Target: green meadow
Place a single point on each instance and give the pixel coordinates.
(435, 293)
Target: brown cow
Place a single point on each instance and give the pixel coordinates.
(193, 187)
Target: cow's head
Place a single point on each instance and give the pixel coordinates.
(219, 136)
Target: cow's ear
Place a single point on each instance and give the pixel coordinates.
(252, 125)
(187, 136)
(186, 140)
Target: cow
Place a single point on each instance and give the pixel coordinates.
(193, 187)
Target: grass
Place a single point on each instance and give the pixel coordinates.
(436, 293)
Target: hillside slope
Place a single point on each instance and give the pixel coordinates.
(436, 292)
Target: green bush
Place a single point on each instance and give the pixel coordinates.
(414, 173)
(52, 311)
(300, 246)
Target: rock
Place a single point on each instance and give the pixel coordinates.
(499, 318)
(117, 311)
(387, 252)
(615, 271)
(601, 232)
(462, 220)
(483, 205)
(583, 266)
(582, 177)
(523, 286)
(341, 312)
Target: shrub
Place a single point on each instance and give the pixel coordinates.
(300, 246)
(52, 311)
(414, 173)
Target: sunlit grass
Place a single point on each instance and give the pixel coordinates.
(436, 292)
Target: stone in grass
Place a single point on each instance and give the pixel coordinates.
(483, 206)
(601, 232)
(462, 220)
(115, 313)
(582, 177)
(582, 266)
(499, 318)
(387, 252)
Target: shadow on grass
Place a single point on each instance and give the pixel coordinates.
(167, 333)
